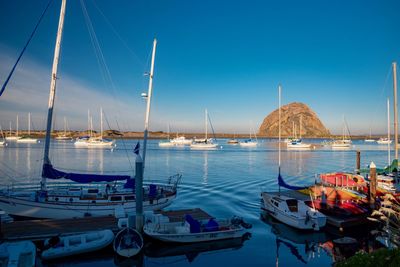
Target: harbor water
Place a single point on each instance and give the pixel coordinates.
(224, 182)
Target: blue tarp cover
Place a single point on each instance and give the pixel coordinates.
(51, 173)
(194, 224)
(282, 183)
(211, 226)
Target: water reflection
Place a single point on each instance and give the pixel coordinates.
(205, 169)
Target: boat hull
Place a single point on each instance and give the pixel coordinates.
(43, 210)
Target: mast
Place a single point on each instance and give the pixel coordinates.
(388, 125)
(148, 100)
(17, 126)
(88, 123)
(101, 123)
(10, 128)
(46, 159)
(29, 124)
(206, 124)
(279, 135)
(65, 126)
(396, 156)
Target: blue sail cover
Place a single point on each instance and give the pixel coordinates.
(282, 183)
(51, 173)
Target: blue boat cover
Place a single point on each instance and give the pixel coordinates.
(282, 183)
(51, 173)
(194, 224)
(211, 226)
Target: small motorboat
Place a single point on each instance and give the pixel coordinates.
(64, 246)
(190, 230)
(233, 141)
(128, 242)
(292, 212)
(15, 254)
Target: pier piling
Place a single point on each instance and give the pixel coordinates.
(372, 185)
(358, 162)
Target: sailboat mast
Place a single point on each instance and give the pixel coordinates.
(46, 159)
(29, 124)
(206, 124)
(17, 126)
(150, 89)
(388, 125)
(396, 156)
(101, 123)
(279, 135)
(65, 126)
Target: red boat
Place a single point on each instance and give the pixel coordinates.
(343, 179)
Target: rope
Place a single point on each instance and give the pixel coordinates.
(23, 50)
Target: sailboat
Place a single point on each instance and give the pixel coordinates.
(298, 143)
(99, 141)
(233, 141)
(91, 194)
(15, 137)
(82, 141)
(249, 142)
(28, 138)
(206, 143)
(64, 136)
(386, 140)
(167, 143)
(344, 143)
(369, 139)
(288, 210)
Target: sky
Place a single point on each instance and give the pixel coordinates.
(226, 56)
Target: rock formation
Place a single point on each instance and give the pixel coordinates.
(293, 113)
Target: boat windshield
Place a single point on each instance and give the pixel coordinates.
(292, 205)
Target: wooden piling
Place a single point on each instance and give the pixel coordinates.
(372, 185)
(358, 162)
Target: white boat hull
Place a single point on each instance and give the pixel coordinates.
(79, 244)
(203, 146)
(27, 140)
(166, 144)
(12, 138)
(44, 210)
(248, 144)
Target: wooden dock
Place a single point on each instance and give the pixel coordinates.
(42, 229)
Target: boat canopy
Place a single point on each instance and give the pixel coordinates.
(282, 183)
(51, 173)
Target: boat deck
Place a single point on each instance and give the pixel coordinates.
(42, 229)
(332, 221)
(178, 215)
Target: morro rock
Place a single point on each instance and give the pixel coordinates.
(291, 115)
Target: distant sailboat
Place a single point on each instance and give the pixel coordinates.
(99, 141)
(249, 142)
(64, 136)
(28, 138)
(3, 141)
(344, 143)
(205, 143)
(369, 139)
(15, 137)
(298, 143)
(167, 143)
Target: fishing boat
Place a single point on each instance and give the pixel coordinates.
(191, 230)
(11, 137)
(82, 194)
(28, 139)
(288, 210)
(64, 136)
(205, 143)
(65, 246)
(15, 254)
(128, 242)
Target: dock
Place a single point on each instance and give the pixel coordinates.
(36, 230)
(333, 221)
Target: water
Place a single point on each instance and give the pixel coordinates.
(223, 182)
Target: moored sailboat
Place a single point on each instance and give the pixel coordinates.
(206, 143)
(91, 194)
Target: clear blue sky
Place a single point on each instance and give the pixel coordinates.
(227, 56)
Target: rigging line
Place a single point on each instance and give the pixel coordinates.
(117, 34)
(381, 94)
(125, 147)
(23, 50)
(212, 128)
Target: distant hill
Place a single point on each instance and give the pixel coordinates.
(311, 124)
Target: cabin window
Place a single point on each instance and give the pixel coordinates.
(116, 198)
(129, 198)
(93, 191)
(292, 205)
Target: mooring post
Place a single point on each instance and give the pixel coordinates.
(358, 162)
(372, 185)
(139, 193)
